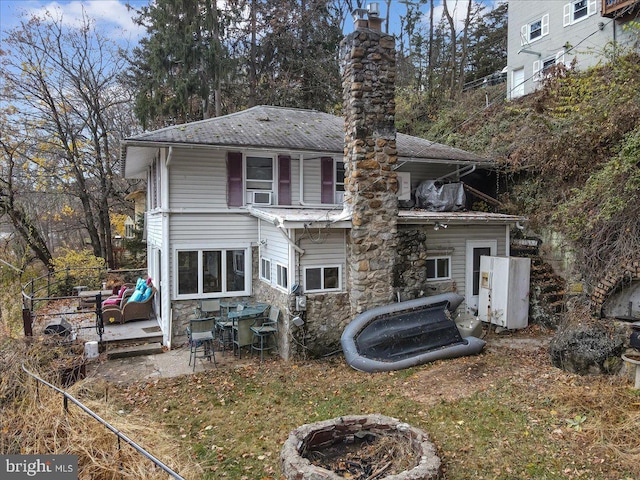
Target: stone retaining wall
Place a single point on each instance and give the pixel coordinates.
(626, 273)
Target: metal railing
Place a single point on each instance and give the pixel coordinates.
(114, 430)
(59, 285)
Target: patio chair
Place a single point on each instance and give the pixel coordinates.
(265, 332)
(129, 309)
(201, 336)
(208, 307)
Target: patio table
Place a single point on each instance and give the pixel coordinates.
(242, 321)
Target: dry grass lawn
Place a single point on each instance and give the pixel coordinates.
(504, 414)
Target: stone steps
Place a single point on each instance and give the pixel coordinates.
(547, 288)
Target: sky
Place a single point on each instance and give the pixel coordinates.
(114, 20)
(111, 16)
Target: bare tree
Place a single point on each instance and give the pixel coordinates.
(63, 82)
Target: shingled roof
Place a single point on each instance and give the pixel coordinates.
(282, 128)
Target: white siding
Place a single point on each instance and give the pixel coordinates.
(323, 247)
(198, 179)
(212, 229)
(201, 231)
(276, 247)
(455, 237)
(311, 181)
(154, 228)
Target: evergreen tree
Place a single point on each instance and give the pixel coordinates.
(179, 67)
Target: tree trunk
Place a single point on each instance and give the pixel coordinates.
(453, 48)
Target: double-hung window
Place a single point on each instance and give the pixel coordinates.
(534, 30)
(322, 279)
(282, 276)
(211, 271)
(438, 268)
(578, 10)
(265, 269)
(339, 181)
(258, 180)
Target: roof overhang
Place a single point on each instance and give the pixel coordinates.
(424, 217)
(303, 217)
(338, 218)
(135, 158)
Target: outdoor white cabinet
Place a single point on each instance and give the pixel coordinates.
(503, 297)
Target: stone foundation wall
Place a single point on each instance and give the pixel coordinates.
(410, 272)
(326, 317)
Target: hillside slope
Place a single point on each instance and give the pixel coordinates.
(569, 155)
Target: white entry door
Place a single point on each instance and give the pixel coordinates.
(475, 249)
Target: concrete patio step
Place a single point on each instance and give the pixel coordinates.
(134, 350)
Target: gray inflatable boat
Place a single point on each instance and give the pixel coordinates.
(406, 334)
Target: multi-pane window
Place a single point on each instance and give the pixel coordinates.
(265, 269)
(321, 278)
(534, 30)
(578, 10)
(282, 279)
(438, 268)
(211, 271)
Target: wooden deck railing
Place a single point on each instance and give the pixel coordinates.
(611, 8)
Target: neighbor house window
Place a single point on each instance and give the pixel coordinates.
(282, 279)
(438, 268)
(318, 279)
(129, 228)
(534, 30)
(542, 68)
(265, 269)
(578, 10)
(211, 271)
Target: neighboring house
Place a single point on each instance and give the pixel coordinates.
(260, 204)
(542, 34)
(138, 198)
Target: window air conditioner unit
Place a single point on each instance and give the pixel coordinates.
(261, 198)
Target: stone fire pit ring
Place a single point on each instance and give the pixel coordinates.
(330, 432)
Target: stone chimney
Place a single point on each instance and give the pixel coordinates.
(368, 82)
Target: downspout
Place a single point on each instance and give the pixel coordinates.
(165, 307)
(301, 181)
(507, 248)
(278, 224)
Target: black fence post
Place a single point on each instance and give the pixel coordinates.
(27, 322)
